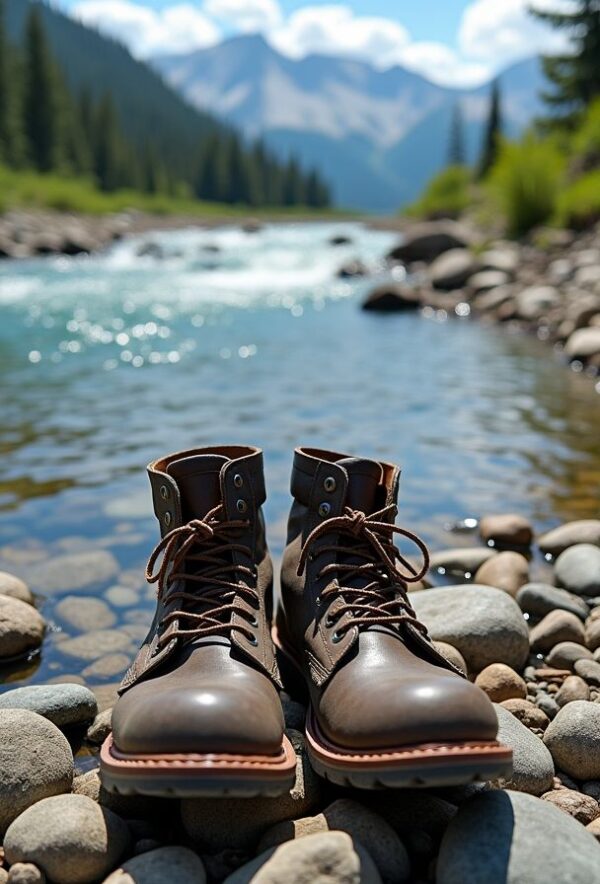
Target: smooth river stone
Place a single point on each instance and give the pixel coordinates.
(506, 530)
(485, 624)
(583, 531)
(21, 627)
(179, 865)
(533, 767)
(35, 762)
(92, 645)
(573, 739)
(62, 704)
(508, 571)
(577, 569)
(85, 613)
(539, 599)
(461, 561)
(67, 573)
(511, 838)
(70, 837)
(15, 588)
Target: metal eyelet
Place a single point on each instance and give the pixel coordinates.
(253, 622)
(241, 506)
(253, 641)
(238, 480)
(329, 621)
(164, 492)
(324, 509)
(336, 637)
(167, 518)
(330, 484)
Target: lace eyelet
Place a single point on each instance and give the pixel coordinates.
(238, 480)
(164, 492)
(336, 637)
(330, 484)
(241, 506)
(330, 621)
(252, 641)
(324, 509)
(167, 518)
(253, 622)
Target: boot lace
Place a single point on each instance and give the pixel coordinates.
(209, 610)
(383, 599)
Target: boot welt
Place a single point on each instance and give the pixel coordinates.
(197, 775)
(421, 765)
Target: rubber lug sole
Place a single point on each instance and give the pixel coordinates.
(197, 776)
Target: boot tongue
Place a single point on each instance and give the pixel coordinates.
(364, 478)
(198, 480)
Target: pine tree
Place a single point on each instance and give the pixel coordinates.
(4, 94)
(456, 143)
(107, 147)
(293, 185)
(41, 110)
(575, 76)
(492, 133)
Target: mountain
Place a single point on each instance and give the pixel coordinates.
(148, 108)
(377, 136)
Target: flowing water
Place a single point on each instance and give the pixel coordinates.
(220, 336)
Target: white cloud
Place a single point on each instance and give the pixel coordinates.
(179, 28)
(491, 34)
(503, 31)
(245, 15)
(336, 30)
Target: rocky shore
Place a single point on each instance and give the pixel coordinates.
(548, 286)
(517, 612)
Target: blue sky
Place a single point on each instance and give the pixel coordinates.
(454, 42)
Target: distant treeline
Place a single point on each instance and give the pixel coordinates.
(46, 126)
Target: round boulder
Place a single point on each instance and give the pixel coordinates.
(577, 569)
(62, 704)
(21, 627)
(573, 739)
(177, 864)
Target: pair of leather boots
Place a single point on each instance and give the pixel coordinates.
(199, 711)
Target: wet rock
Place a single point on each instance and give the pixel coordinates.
(581, 807)
(454, 656)
(234, 824)
(25, 873)
(74, 571)
(589, 670)
(353, 269)
(511, 838)
(573, 688)
(363, 825)
(85, 613)
(500, 682)
(15, 588)
(69, 837)
(177, 864)
(426, 241)
(573, 738)
(527, 713)
(556, 627)
(582, 531)
(330, 856)
(391, 298)
(35, 762)
(453, 269)
(21, 627)
(96, 644)
(539, 599)
(461, 561)
(508, 571)
(506, 530)
(100, 728)
(577, 569)
(483, 623)
(533, 767)
(121, 596)
(340, 239)
(536, 301)
(107, 667)
(64, 705)
(583, 344)
(565, 654)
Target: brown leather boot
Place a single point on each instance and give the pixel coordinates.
(199, 711)
(385, 708)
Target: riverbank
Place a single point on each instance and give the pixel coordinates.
(517, 612)
(548, 285)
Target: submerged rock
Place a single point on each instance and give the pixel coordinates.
(426, 241)
(391, 298)
(74, 571)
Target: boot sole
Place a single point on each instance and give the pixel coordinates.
(424, 765)
(196, 775)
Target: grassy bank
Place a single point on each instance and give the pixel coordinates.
(28, 189)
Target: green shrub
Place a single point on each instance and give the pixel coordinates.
(578, 205)
(447, 195)
(585, 143)
(525, 182)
